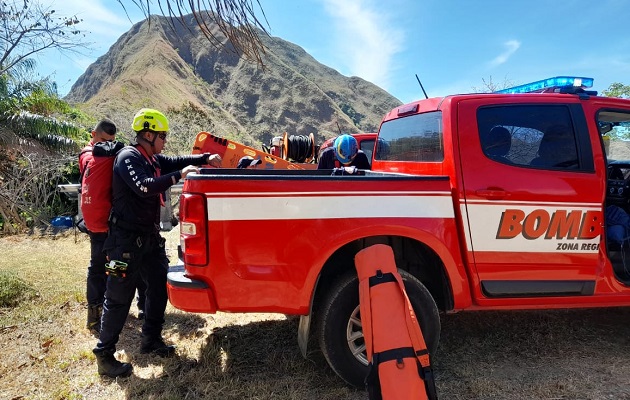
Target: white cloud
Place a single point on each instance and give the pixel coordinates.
(366, 38)
(103, 18)
(511, 47)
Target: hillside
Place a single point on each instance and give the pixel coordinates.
(171, 67)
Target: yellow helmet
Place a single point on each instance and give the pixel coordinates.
(148, 118)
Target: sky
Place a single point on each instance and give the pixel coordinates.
(452, 45)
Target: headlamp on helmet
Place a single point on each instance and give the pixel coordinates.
(149, 119)
(346, 148)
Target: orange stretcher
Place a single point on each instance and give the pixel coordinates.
(400, 367)
(231, 152)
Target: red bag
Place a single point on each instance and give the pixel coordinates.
(96, 165)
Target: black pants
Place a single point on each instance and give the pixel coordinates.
(146, 259)
(96, 277)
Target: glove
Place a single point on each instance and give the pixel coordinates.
(214, 160)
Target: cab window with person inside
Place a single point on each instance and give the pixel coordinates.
(533, 136)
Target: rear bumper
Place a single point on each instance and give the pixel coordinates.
(189, 294)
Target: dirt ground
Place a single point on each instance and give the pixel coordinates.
(45, 352)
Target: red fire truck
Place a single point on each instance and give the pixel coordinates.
(490, 201)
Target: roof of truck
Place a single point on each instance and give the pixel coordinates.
(557, 87)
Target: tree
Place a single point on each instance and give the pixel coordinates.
(31, 139)
(236, 19)
(489, 86)
(26, 28)
(617, 90)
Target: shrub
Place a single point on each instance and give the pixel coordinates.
(13, 290)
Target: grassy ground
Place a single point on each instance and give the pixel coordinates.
(45, 352)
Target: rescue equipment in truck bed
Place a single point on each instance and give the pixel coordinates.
(231, 151)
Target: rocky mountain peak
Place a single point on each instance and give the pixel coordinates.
(170, 65)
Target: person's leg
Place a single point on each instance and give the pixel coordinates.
(96, 282)
(118, 298)
(154, 270)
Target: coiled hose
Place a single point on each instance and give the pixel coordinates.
(300, 148)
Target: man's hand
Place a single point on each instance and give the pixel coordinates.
(214, 160)
(187, 170)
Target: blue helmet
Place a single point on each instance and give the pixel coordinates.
(345, 148)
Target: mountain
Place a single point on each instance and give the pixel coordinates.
(170, 65)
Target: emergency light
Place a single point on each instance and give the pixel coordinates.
(550, 84)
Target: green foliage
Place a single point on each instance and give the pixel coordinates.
(31, 107)
(49, 131)
(354, 116)
(186, 122)
(620, 131)
(617, 89)
(14, 290)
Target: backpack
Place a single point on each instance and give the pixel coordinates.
(96, 184)
(399, 363)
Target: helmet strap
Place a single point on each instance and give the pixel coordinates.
(155, 135)
(150, 142)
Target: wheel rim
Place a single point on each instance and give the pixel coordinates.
(354, 336)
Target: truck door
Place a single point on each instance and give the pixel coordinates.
(531, 196)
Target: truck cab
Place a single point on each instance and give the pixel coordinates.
(531, 183)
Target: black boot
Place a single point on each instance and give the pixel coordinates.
(156, 346)
(94, 318)
(109, 366)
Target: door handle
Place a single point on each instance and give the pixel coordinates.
(492, 193)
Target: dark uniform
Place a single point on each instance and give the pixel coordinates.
(328, 160)
(96, 167)
(138, 187)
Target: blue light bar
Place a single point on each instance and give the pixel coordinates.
(549, 84)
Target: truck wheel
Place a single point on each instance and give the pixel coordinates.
(341, 335)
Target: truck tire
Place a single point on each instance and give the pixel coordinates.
(340, 333)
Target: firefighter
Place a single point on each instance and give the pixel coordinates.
(96, 181)
(343, 153)
(134, 245)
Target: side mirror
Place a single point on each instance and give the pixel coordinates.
(605, 127)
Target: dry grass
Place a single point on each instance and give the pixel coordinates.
(45, 353)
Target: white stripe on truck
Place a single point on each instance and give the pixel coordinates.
(245, 207)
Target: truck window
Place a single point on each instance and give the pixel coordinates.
(538, 136)
(367, 146)
(418, 137)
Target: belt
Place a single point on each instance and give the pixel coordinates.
(128, 226)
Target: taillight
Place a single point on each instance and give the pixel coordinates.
(193, 223)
